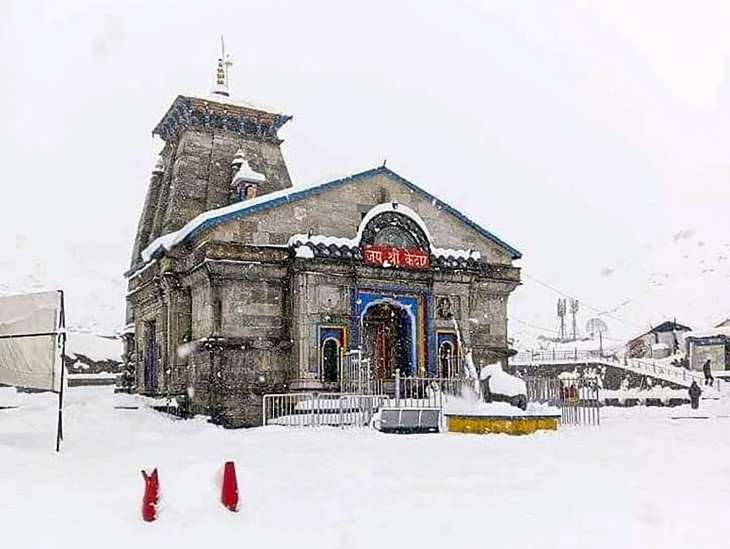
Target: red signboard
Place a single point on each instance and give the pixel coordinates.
(405, 258)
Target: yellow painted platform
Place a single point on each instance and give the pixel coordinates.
(518, 425)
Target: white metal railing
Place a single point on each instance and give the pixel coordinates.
(356, 375)
(427, 392)
(675, 374)
(543, 390)
(580, 403)
(320, 409)
(552, 355)
(356, 410)
(287, 409)
(578, 399)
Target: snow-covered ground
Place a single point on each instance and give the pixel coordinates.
(641, 480)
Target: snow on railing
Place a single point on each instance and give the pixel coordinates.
(551, 355)
(674, 374)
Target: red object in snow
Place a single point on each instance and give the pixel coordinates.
(151, 495)
(229, 491)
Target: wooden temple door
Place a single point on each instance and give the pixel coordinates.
(387, 339)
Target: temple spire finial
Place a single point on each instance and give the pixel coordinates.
(221, 75)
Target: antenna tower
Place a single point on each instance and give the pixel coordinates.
(561, 317)
(574, 304)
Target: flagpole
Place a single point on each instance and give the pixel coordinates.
(62, 334)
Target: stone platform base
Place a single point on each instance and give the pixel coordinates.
(516, 425)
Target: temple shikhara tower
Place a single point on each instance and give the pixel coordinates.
(241, 284)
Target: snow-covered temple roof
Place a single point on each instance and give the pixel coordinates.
(240, 210)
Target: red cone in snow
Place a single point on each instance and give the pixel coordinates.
(229, 491)
(151, 495)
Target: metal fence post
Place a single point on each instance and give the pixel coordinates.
(312, 403)
(358, 372)
(397, 387)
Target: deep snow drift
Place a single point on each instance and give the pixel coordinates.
(640, 480)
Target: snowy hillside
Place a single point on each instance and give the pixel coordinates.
(683, 275)
(89, 271)
(92, 346)
(91, 353)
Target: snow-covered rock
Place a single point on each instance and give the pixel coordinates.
(500, 382)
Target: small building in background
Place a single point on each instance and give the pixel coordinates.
(661, 350)
(669, 334)
(713, 344)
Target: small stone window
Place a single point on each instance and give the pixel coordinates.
(330, 359)
(331, 344)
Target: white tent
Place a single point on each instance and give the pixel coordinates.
(32, 337)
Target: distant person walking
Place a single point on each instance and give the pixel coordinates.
(708, 373)
(694, 395)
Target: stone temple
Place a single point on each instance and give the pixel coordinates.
(242, 284)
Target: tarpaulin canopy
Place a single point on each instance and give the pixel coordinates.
(30, 342)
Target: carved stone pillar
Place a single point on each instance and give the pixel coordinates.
(170, 290)
(214, 345)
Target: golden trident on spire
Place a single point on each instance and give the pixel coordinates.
(224, 61)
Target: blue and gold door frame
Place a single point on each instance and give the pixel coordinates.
(332, 342)
(414, 305)
(447, 353)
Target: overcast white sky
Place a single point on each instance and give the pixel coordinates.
(594, 138)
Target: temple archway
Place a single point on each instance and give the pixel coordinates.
(387, 329)
(330, 360)
(447, 359)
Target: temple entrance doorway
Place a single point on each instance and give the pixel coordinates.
(447, 359)
(388, 339)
